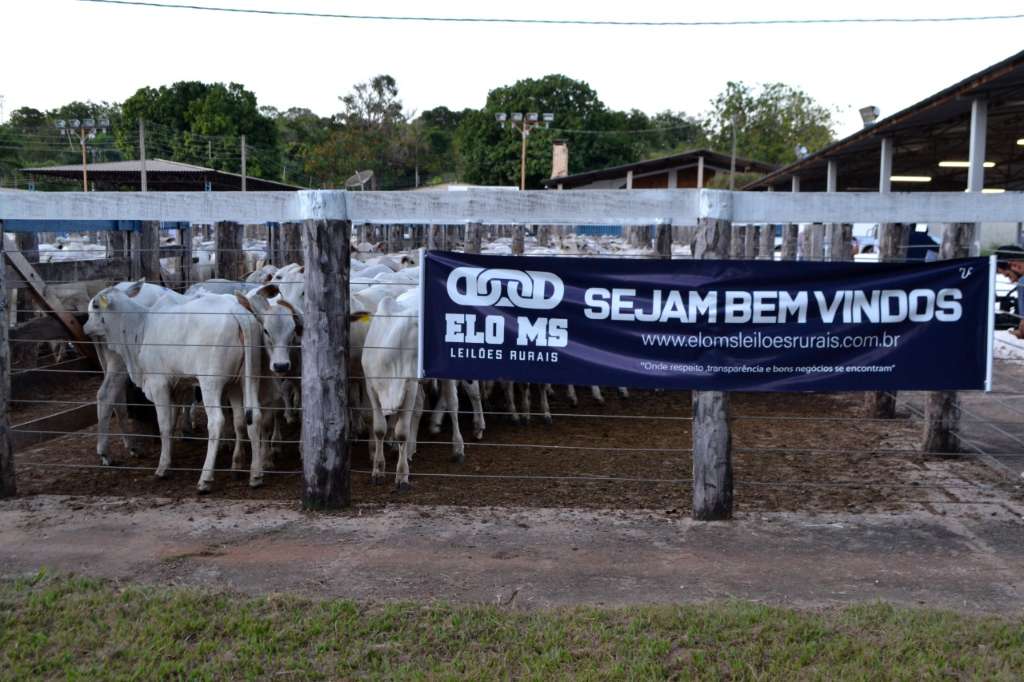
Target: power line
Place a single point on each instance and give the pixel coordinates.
(574, 22)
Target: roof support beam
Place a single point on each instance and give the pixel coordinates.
(976, 155)
(885, 166)
(832, 174)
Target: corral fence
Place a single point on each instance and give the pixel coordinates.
(321, 225)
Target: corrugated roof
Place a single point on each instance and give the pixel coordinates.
(161, 175)
(931, 130)
(712, 159)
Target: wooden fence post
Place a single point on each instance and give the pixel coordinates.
(229, 251)
(185, 265)
(790, 234)
(7, 482)
(146, 252)
(518, 240)
(737, 241)
(292, 242)
(840, 242)
(892, 242)
(663, 241)
(712, 438)
(816, 241)
(326, 460)
(750, 242)
(766, 242)
(472, 241)
(942, 408)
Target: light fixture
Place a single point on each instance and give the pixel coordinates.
(869, 115)
(549, 118)
(517, 117)
(75, 123)
(964, 164)
(89, 123)
(993, 190)
(61, 124)
(533, 117)
(501, 118)
(1021, 142)
(910, 178)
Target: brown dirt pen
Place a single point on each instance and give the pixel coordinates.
(856, 472)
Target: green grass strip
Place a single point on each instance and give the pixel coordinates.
(84, 629)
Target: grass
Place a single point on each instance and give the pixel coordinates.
(77, 628)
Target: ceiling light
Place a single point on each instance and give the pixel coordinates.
(993, 190)
(964, 164)
(1021, 142)
(910, 178)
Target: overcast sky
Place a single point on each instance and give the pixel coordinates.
(54, 51)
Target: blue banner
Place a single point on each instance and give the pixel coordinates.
(708, 325)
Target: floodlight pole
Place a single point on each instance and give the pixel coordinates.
(525, 124)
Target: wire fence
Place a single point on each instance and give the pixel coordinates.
(833, 434)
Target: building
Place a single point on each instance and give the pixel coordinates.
(695, 168)
(967, 136)
(161, 176)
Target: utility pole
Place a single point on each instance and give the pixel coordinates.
(243, 163)
(524, 123)
(142, 154)
(86, 129)
(732, 160)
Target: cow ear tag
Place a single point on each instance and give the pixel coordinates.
(103, 301)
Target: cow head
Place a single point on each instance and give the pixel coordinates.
(280, 322)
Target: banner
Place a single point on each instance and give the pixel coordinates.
(720, 325)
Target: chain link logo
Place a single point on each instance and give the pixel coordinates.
(528, 289)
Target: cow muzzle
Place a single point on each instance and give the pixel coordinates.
(281, 367)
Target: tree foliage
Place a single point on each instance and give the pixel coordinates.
(771, 121)
(202, 123)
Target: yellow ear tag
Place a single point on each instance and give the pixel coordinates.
(103, 301)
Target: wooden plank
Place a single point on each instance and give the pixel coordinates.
(37, 287)
(229, 251)
(942, 408)
(8, 486)
(292, 243)
(766, 242)
(663, 241)
(65, 421)
(473, 236)
(712, 437)
(892, 242)
(637, 207)
(790, 235)
(326, 460)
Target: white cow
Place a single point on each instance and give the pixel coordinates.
(389, 361)
(212, 340)
(112, 393)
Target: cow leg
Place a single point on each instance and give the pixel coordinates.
(417, 413)
(238, 421)
(379, 431)
(437, 416)
(160, 394)
(479, 424)
(256, 434)
(214, 426)
(403, 433)
(570, 393)
(545, 408)
(526, 413)
(596, 392)
(105, 398)
(510, 399)
(450, 388)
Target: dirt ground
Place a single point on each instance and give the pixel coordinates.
(784, 461)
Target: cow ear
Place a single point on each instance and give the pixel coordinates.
(267, 278)
(135, 288)
(103, 301)
(302, 268)
(244, 302)
(258, 302)
(269, 291)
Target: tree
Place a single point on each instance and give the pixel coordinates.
(598, 137)
(369, 134)
(201, 123)
(770, 121)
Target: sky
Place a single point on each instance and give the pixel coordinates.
(55, 51)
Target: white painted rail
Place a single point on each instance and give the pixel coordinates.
(608, 207)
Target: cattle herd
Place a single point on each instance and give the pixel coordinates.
(225, 345)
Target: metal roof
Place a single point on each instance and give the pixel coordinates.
(712, 159)
(161, 176)
(932, 130)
